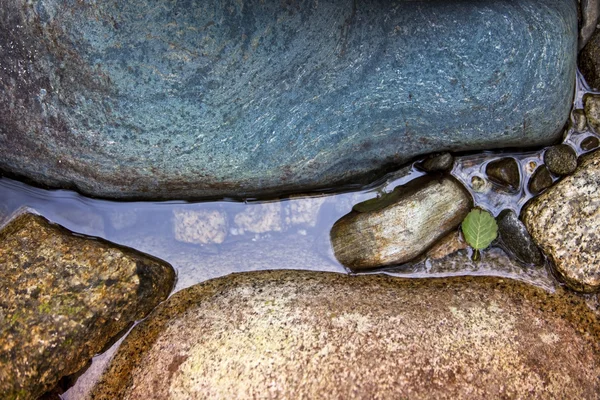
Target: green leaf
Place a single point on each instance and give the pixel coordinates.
(480, 229)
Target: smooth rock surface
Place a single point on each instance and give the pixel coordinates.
(64, 297)
(240, 99)
(591, 104)
(564, 222)
(400, 225)
(516, 240)
(505, 172)
(304, 335)
(589, 143)
(540, 180)
(589, 61)
(437, 162)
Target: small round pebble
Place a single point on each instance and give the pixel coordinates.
(561, 159)
(478, 184)
(540, 180)
(589, 143)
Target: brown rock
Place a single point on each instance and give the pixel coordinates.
(64, 298)
(560, 159)
(540, 180)
(306, 335)
(400, 225)
(200, 226)
(504, 172)
(564, 222)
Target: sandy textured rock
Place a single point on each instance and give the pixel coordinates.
(564, 222)
(400, 225)
(200, 226)
(64, 297)
(303, 211)
(304, 335)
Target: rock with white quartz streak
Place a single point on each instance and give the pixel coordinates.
(401, 225)
(565, 221)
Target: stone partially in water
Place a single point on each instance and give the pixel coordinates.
(591, 103)
(564, 222)
(239, 99)
(400, 225)
(437, 163)
(561, 159)
(540, 180)
(589, 143)
(505, 172)
(516, 240)
(64, 297)
(306, 335)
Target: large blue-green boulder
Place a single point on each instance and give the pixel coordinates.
(221, 98)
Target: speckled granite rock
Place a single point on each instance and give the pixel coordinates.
(232, 99)
(306, 335)
(64, 297)
(564, 222)
(400, 225)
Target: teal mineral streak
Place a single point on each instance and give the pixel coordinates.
(214, 98)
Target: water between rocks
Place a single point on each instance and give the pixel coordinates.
(284, 242)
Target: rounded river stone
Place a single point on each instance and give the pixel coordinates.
(308, 335)
(205, 99)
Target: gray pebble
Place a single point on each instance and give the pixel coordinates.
(516, 240)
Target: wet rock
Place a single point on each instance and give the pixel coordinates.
(303, 211)
(437, 163)
(400, 225)
(504, 172)
(298, 334)
(564, 222)
(561, 159)
(64, 297)
(590, 11)
(589, 61)
(591, 105)
(516, 240)
(200, 226)
(449, 244)
(589, 143)
(259, 218)
(218, 99)
(579, 120)
(540, 180)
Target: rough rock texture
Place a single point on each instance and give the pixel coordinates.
(304, 335)
(590, 11)
(564, 222)
(561, 159)
(516, 240)
(589, 61)
(505, 172)
(200, 226)
(64, 297)
(400, 225)
(215, 98)
(591, 104)
(540, 180)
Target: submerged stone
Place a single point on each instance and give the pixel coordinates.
(516, 240)
(589, 143)
(63, 299)
(400, 225)
(232, 99)
(540, 180)
(307, 335)
(564, 222)
(505, 172)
